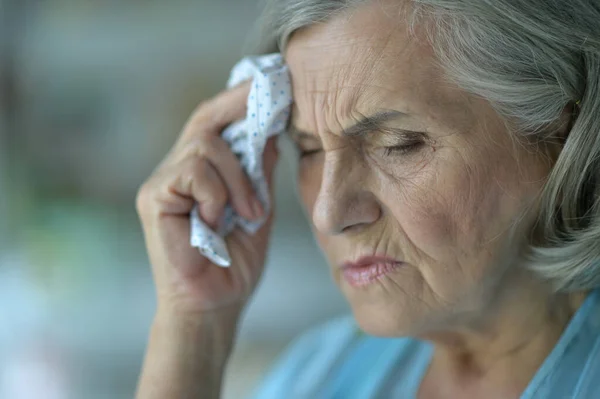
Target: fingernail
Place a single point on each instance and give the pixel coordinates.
(257, 209)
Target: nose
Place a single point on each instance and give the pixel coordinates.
(344, 201)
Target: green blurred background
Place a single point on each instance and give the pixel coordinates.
(92, 94)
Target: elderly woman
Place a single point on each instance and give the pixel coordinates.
(450, 163)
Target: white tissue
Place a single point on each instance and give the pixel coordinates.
(267, 115)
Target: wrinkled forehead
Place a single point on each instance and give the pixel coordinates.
(357, 62)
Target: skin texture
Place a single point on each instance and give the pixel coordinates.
(199, 303)
(438, 189)
(454, 206)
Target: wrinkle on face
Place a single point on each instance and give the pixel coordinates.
(444, 209)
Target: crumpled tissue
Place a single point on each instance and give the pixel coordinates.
(267, 115)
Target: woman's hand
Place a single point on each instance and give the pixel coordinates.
(199, 303)
(201, 168)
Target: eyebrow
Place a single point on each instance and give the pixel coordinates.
(361, 128)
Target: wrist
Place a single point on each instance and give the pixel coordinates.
(213, 333)
(186, 356)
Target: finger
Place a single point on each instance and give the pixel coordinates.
(173, 236)
(175, 189)
(212, 116)
(227, 165)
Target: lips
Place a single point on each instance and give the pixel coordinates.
(368, 269)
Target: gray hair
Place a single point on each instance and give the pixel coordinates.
(532, 60)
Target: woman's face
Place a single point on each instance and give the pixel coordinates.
(435, 182)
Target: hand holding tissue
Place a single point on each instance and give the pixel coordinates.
(268, 110)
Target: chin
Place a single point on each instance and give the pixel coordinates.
(386, 308)
(379, 325)
(384, 319)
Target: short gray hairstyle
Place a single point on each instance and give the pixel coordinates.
(532, 60)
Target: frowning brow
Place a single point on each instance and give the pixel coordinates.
(371, 123)
(363, 126)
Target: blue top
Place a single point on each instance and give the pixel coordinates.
(335, 361)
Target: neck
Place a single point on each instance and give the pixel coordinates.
(501, 348)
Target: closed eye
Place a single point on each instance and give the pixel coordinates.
(403, 149)
(306, 144)
(308, 152)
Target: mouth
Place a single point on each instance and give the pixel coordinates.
(368, 270)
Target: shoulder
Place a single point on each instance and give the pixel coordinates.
(572, 369)
(586, 351)
(327, 351)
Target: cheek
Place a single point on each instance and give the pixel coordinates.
(446, 209)
(458, 214)
(422, 211)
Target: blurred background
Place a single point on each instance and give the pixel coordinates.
(92, 94)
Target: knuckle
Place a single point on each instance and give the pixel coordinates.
(198, 147)
(205, 148)
(199, 127)
(195, 166)
(199, 174)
